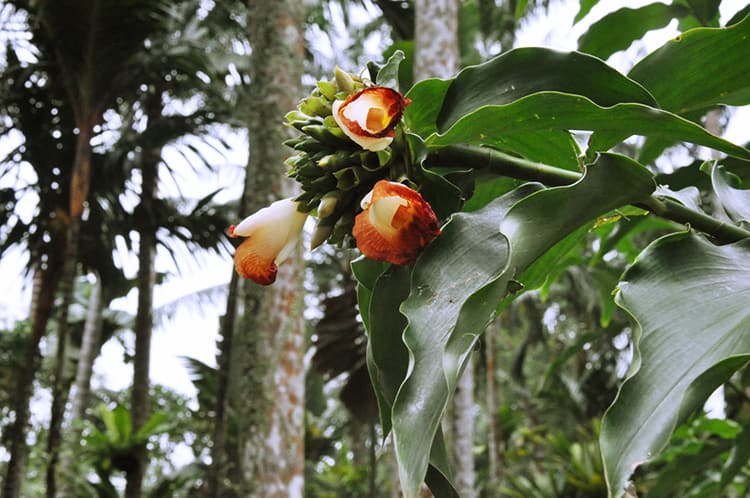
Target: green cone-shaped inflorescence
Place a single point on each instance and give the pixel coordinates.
(350, 138)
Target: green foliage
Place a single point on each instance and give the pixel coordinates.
(687, 345)
(114, 446)
(618, 30)
(423, 321)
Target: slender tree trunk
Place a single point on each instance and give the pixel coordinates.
(61, 376)
(45, 283)
(90, 344)
(493, 467)
(508, 27)
(217, 469)
(140, 403)
(462, 447)
(16, 465)
(436, 39)
(269, 346)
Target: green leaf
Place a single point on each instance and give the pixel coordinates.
(387, 352)
(388, 74)
(586, 6)
(469, 254)
(689, 299)
(501, 124)
(156, 424)
(421, 115)
(700, 68)
(616, 31)
(735, 201)
(525, 71)
(739, 15)
(462, 276)
(366, 271)
(738, 457)
(521, 9)
(706, 11)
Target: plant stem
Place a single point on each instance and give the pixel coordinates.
(523, 169)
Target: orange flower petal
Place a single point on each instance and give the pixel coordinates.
(272, 234)
(253, 262)
(396, 225)
(369, 116)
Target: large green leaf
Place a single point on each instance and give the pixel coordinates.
(616, 31)
(700, 68)
(469, 254)
(500, 124)
(461, 278)
(387, 357)
(524, 71)
(387, 352)
(547, 146)
(690, 300)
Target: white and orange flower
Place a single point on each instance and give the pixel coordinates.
(272, 234)
(396, 224)
(369, 116)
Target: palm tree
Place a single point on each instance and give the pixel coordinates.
(97, 49)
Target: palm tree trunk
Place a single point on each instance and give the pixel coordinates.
(269, 346)
(43, 296)
(493, 465)
(79, 189)
(140, 403)
(90, 343)
(436, 39)
(217, 469)
(462, 447)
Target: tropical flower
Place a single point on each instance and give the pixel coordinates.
(396, 224)
(272, 234)
(369, 116)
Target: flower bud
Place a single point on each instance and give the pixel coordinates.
(344, 81)
(328, 204)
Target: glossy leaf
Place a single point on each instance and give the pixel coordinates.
(525, 71)
(388, 354)
(499, 125)
(616, 31)
(735, 201)
(706, 11)
(421, 115)
(388, 74)
(548, 146)
(461, 278)
(700, 68)
(469, 254)
(689, 299)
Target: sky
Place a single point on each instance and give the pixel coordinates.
(191, 330)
